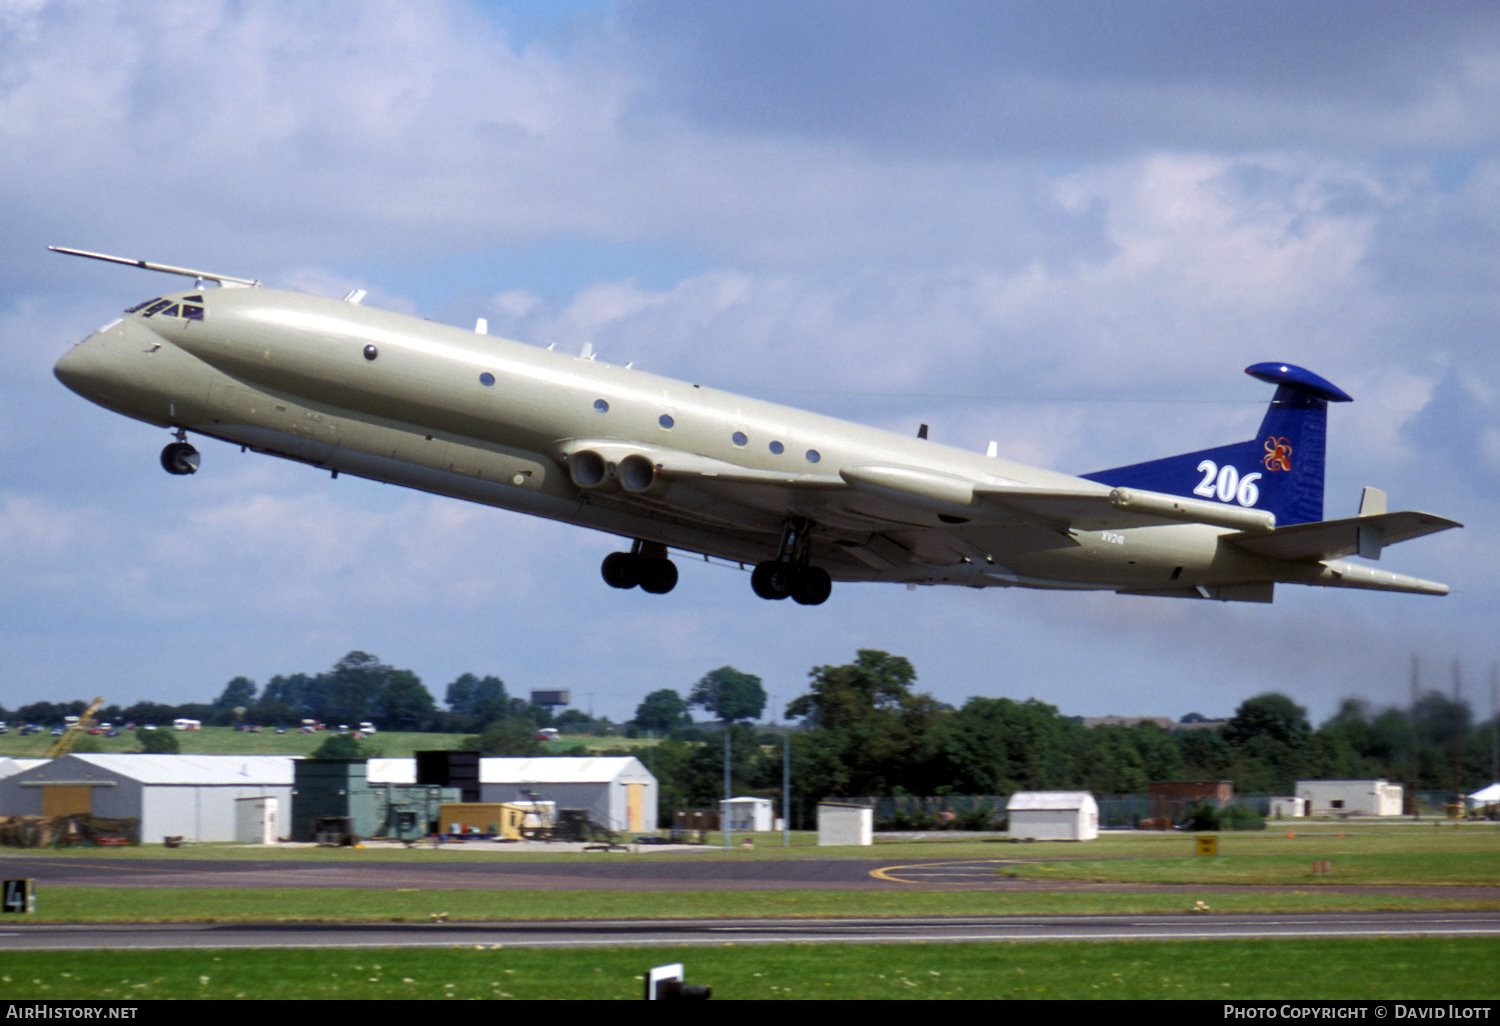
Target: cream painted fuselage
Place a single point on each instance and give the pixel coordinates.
(672, 465)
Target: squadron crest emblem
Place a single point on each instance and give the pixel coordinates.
(1278, 454)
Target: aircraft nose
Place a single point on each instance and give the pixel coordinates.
(108, 363)
(82, 368)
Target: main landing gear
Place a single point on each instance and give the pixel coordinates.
(790, 575)
(645, 564)
(179, 457)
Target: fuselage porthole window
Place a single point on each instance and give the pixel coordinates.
(371, 352)
(739, 438)
(777, 448)
(601, 405)
(486, 379)
(666, 421)
(813, 456)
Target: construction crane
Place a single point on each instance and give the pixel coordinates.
(64, 744)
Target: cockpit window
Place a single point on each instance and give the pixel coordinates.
(191, 308)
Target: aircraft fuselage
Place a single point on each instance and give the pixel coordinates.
(397, 399)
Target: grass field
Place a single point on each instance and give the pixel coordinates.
(1222, 970)
(254, 905)
(1476, 840)
(1273, 867)
(1418, 859)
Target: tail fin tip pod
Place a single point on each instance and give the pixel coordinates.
(1279, 471)
(1298, 379)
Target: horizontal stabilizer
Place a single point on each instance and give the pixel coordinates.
(1333, 539)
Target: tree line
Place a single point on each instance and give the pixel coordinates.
(358, 688)
(862, 729)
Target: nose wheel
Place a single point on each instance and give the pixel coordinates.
(646, 564)
(180, 458)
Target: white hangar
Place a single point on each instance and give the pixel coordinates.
(197, 797)
(619, 793)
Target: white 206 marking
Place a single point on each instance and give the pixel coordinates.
(1225, 484)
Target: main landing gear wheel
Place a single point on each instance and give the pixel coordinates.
(652, 570)
(777, 579)
(772, 579)
(812, 586)
(180, 458)
(790, 574)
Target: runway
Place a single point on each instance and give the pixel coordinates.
(718, 932)
(602, 872)
(598, 871)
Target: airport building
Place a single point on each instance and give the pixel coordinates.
(195, 797)
(1351, 797)
(1053, 816)
(619, 793)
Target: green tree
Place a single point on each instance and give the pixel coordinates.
(237, 693)
(998, 746)
(729, 694)
(347, 693)
(1161, 755)
(866, 732)
(483, 699)
(1272, 715)
(513, 738)
(1205, 754)
(359, 687)
(663, 712)
(402, 703)
(344, 746)
(287, 700)
(157, 742)
(1109, 762)
(1269, 734)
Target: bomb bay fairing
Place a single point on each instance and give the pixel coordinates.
(804, 500)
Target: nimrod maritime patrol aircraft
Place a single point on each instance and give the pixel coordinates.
(804, 500)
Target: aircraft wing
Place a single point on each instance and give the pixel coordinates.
(1085, 505)
(907, 504)
(870, 496)
(1333, 539)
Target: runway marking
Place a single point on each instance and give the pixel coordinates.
(976, 870)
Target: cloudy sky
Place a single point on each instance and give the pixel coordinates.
(1064, 226)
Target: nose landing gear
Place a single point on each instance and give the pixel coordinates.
(179, 457)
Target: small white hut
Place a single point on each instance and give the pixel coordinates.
(1053, 816)
(1351, 797)
(747, 814)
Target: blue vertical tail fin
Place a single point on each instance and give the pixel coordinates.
(1280, 470)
